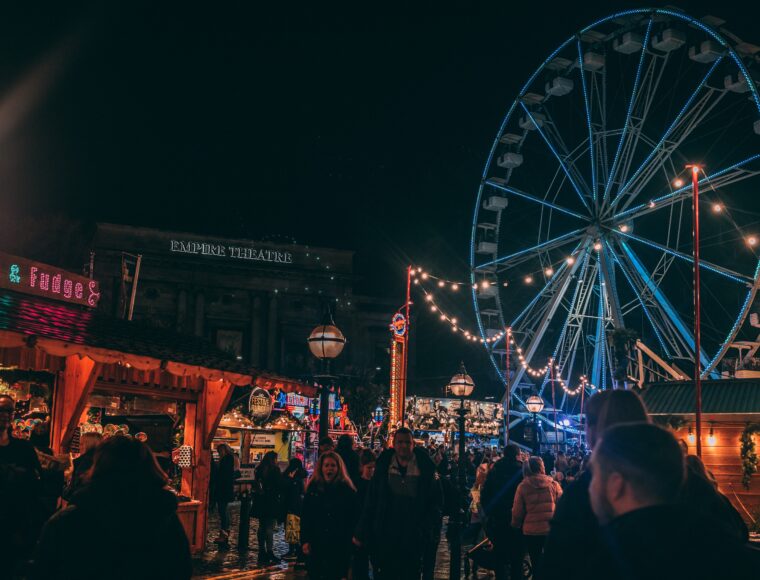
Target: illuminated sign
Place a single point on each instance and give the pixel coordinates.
(287, 400)
(39, 279)
(260, 404)
(398, 325)
(234, 252)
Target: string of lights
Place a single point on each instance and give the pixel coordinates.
(418, 275)
(453, 321)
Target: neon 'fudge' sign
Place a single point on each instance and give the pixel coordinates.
(39, 279)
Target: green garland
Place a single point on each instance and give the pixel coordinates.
(749, 453)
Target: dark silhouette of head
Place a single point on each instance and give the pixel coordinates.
(612, 407)
(345, 443)
(125, 467)
(635, 465)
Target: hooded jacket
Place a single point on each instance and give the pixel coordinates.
(535, 500)
(104, 535)
(379, 529)
(498, 495)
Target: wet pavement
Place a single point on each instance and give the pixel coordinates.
(233, 564)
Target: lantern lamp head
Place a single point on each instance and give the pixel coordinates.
(461, 384)
(326, 341)
(534, 404)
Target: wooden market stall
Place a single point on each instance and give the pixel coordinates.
(90, 354)
(730, 413)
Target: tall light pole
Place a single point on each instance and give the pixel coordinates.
(461, 386)
(697, 321)
(326, 342)
(535, 404)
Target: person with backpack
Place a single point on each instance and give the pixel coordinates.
(293, 492)
(224, 485)
(268, 506)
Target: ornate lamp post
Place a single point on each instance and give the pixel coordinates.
(535, 404)
(461, 386)
(326, 342)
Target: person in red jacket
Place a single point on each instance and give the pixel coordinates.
(533, 508)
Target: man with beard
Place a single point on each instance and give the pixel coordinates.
(638, 471)
(402, 511)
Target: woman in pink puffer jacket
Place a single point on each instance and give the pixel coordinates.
(535, 500)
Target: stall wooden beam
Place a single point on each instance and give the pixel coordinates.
(201, 420)
(71, 396)
(217, 395)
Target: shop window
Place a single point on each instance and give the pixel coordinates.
(230, 341)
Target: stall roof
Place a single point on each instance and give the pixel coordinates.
(727, 396)
(41, 318)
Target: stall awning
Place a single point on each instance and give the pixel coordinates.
(272, 382)
(735, 397)
(62, 330)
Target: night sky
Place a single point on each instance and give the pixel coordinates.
(356, 125)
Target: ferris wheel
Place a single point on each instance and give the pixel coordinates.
(582, 225)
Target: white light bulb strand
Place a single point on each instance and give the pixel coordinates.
(541, 372)
(421, 273)
(453, 322)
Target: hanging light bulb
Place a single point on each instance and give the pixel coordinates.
(624, 228)
(549, 271)
(597, 245)
(453, 321)
(651, 203)
(424, 275)
(677, 182)
(419, 270)
(455, 287)
(429, 297)
(433, 308)
(485, 284)
(505, 284)
(441, 283)
(717, 208)
(570, 260)
(528, 279)
(751, 241)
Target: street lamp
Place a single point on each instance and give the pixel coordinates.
(461, 386)
(535, 404)
(326, 342)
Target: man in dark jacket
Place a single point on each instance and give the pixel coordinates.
(350, 457)
(20, 512)
(401, 510)
(496, 499)
(638, 471)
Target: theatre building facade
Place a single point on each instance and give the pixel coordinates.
(258, 301)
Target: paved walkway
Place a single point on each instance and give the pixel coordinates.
(233, 564)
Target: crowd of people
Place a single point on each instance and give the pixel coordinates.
(637, 507)
(119, 520)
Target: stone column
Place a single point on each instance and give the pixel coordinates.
(255, 330)
(200, 313)
(272, 342)
(181, 310)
